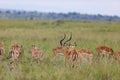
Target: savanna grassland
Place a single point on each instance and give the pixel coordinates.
(46, 35)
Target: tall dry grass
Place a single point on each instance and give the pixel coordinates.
(46, 35)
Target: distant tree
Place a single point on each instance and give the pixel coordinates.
(31, 18)
(0, 12)
(14, 14)
(8, 12)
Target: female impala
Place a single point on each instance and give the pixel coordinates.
(36, 54)
(104, 50)
(71, 55)
(85, 54)
(2, 50)
(15, 52)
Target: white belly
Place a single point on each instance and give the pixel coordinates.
(61, 54)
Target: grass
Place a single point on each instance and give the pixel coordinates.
(46, 35)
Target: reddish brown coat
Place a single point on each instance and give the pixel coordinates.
(104, 50)
(36, 53)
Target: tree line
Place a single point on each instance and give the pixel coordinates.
(35, 15)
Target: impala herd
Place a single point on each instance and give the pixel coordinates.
(72, 55)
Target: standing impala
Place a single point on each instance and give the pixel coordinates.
(62, 49)
(72, 55)
(2, 50)
(36, 54)
(85, 54)
(15, 52)
(104, 51)
(69, 52)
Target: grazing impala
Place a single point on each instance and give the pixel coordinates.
(85, 54)
(104, 51)
(15, 52)
(69, 52)
(36, 54)
(2, 50)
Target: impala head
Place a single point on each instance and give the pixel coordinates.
(73, 45)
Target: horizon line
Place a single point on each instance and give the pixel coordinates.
(57, 12)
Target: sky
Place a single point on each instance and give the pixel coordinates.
(104, 7)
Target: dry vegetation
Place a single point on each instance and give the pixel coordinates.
(46, 35)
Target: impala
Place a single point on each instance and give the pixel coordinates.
(15, 52)
(104, 51)
(2, 50)
(69, 52)
(36, 54)
(72, 55)
(85, 54)
(60, 50)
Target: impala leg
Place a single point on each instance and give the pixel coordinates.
(99, 56)
(70, 63)
(39, 60)
(32, 60)
(65, 61)
(75, 61)
(12, 65)
(79, 58)
(90, 58)
(111, 57)
(54, 59)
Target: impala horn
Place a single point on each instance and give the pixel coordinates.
(68, 39)
(61, 41)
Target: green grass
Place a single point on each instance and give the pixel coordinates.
(46, 35)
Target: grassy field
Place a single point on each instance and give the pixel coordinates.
(46, 35)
